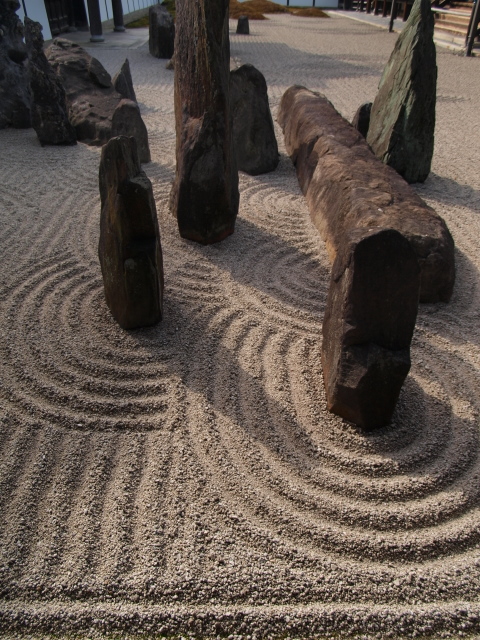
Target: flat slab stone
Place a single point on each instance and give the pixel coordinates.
(347, 187)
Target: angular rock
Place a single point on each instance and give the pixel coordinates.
(205, 193)
(91, 97)
(122, 82)
(15, 97)
(243, 26)
(368, 326)
(402, 122)
(127, 121)
(129, 249)
(49, 108)
(255, 145)
(361, 120)
(347, 187)
(161, 32)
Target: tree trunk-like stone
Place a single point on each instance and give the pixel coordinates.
(243, 26)
(205, 194)
(129, 249)
(161, 32)
(123, 83)
(256, 148)
(49, 108)
(368, 326)
(92, 100)
(347, 187)
(402, 123)
(15, 96)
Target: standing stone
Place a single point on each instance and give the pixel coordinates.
(161, 32)
(243, 26)
(205, 193)
(123, 82)
(402, 122)
(49, 109)
(361, 120)
(129, 249)
(256, 148)
(368, 326)
(15, 97)
(92, 100)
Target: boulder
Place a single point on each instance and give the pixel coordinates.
(402, 122)
(129, 249)
(256, 148)
(127, 121)
(91, 97)
(123, 83)
(15, 97)
(205, 193)
(347, 187)
(161, 32)
(361, 120)
(243, 26)
(49, 109)
(368, 326)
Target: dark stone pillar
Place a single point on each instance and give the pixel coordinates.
(96, 33)
(118, 15)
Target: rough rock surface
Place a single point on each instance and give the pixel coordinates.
(368, 325)
(205, 193)
(127, 121)
(361, 120)
(243, 26)
(256, 148)
(129, 248)
(402, 123)
(161, 32)
(15, 98)
(91, 97)
(49, 109)
(347, 187)
(123, 83)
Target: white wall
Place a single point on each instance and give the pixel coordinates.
(36, 11)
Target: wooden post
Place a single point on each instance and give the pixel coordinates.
(472, 31)
(118, 15)
(96, 33)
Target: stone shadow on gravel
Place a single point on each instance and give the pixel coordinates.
(448, 191)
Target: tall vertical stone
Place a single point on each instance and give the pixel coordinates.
(49, 107)
(205, 193)
(161, 33)
(15, 95)
(402, 121)
(129, 249)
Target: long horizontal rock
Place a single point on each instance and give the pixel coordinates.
(347, 187)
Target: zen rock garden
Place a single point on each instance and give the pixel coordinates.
(389, 250)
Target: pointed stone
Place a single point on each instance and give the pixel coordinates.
(127, 121)
(205, 193)
(254, 139)
(402, 122)
(49, 108)
(123, 82)
(129, 249)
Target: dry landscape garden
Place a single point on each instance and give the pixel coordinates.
(224, 412)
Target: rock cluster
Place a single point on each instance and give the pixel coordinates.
(129, 249)
(15, 97)
(92, 100)
(205, 193)
(161, 33)
(256, 148)
(49, 109)
(402, 122)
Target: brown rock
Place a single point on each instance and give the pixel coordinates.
(91, 97)
(15, 97)
(256, 148)
(205, 194)
(368, 325)
(347, 188)
(123, 82)
(127, 121)
(161, 32)
(129, 249)
(49, 109)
